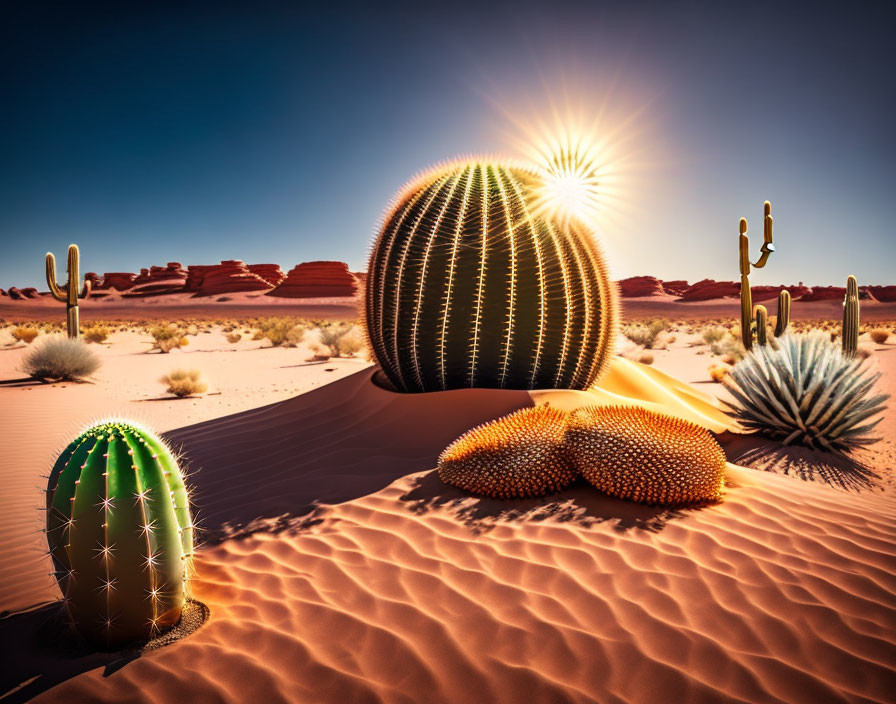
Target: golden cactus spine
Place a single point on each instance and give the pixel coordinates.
(469, 285)
(783, 320)
(761, 317)
(746, 298)
(68, 292)
(851, 317)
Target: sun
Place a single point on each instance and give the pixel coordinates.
(574, 170)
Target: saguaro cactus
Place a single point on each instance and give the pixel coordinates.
(470, 285)
(746, 298)
(761, 316)
(783, 320)
(120, 533)
(851, 317)
(68, 293)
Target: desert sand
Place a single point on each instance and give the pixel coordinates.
(338, 568)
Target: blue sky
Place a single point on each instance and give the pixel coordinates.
(270, 133)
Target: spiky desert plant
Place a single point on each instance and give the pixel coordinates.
(746, 296)
(641, 455)
(783, 318)
(61, 358)
(807, 391)
(519, 455)
(120, 533)
(469, 284)
(68, 292)
(851, 317)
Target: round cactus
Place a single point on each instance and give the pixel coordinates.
(120, 533)
(641, 455)
(468, 285)
(519, 455)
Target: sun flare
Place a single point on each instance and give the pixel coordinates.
(574, 177)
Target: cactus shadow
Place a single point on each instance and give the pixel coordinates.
(580, 504)
(851, 473)
(271, 468)
(40, 651)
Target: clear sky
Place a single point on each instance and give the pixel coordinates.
(149, 132)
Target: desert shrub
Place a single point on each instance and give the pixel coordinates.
(233, 337)
(712, 335)
(167, 337)
(729, 348)
(284, 332)
(351, 341)
(645, 335)
(183, 383)
(880, 336)
(718, 372)
(25, 334)
(806, 392)
(61, 358)
(97, 334)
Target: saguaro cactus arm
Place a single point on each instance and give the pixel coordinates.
(768, 246)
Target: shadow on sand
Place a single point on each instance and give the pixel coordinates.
(758, 452)
(579, 504)
(40, 649)
(266, 468)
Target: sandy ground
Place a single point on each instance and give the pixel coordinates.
(338, 568)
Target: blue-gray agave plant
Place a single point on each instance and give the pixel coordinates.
(807, 392)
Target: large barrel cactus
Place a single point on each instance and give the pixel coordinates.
(468, 285)
(120, 533)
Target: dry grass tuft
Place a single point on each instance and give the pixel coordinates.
(183, 383)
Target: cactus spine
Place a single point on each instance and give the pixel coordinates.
(120, 533)
(469, 285)
(68, 292)
(783, 320)
(746, 298)
(851, 317)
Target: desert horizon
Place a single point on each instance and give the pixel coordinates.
(557, 365)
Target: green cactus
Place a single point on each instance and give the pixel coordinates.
(469, 285)
(746, 298)
(851, 317)
(783, 318)
(120, 533)
(761, 317)
(68, 293)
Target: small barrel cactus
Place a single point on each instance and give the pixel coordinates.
(517, 456)
(120, 533)
(469, 285)
(641, 455)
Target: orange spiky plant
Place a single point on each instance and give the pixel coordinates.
(517, 456)
(637, 454)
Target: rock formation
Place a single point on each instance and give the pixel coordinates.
(18, 294)
(318, 280)
(272, 273)
(676, 288)
(883, 293)
(118, 280)
(230, 276)
(708, 289)
(638, 286)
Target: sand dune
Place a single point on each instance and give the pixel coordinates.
(360, 578)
